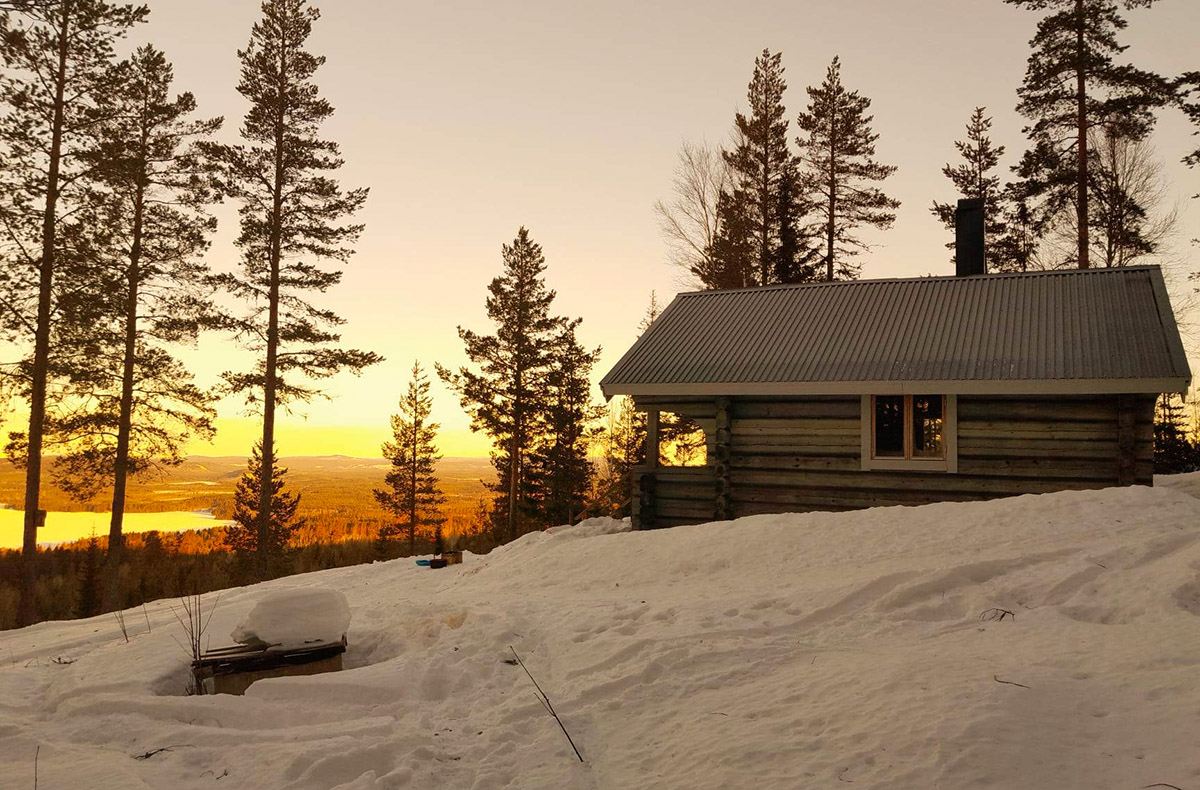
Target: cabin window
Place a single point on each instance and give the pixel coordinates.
(682, 441)
(909, 432)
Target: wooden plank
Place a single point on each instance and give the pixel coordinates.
(1042, 433)
(838, 408)
(890, 480)
(847, 462)
(1126, 439)
(1090, 469)
(1099, 410)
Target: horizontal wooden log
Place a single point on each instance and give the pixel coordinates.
(849, 461)
(1084, 469)
(743, 479)
(837, 408)
(1096, 410)
(1043, 432)
(667, 508)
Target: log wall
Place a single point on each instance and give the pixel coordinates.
(795, 455)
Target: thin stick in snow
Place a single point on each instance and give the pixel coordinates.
(1008, 682)
(542, 698)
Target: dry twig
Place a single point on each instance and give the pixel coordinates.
(1008, 682)
(542, 698)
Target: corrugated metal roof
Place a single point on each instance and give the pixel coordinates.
(1105, 328)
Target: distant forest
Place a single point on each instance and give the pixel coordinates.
(110, 173)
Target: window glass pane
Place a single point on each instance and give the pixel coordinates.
(927, 426)
(889, 426)
(682, 441)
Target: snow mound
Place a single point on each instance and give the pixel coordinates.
(1045, 642)
(591, 527)
(293, 617)
(1188, 482)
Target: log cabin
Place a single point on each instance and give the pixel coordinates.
(844, 395)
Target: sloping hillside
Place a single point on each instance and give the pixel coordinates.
(799, 651)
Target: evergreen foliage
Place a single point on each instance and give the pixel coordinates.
(758, 239)
(245, 535)
(1073, 85)
(559, 468)
(412, 491)
(1175, 451)
(142, 405)
(505, 396)
(838, 171)
(59, 83)
(974, 178)
(292, 216)
(89, 580)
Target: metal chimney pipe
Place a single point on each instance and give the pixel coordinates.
(968, 238)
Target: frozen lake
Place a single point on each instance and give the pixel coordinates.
(63, 527)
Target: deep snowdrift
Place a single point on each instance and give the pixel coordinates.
(771, 652)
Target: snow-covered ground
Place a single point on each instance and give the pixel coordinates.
(799, 651)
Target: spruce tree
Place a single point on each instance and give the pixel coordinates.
(560, 471)
(1188, 93)
(292, 217)
(762, 167)
(1174, 451)
(412, 493)
(838, 170)
(504, 396)
(263, 554)
(59, 80)
(1072, 85)
(974, 178)
(143, 409)
(729, 262)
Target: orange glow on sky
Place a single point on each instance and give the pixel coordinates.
(468, 120)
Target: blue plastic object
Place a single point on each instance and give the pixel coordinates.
(423, 562)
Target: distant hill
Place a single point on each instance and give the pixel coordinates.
(207, 483)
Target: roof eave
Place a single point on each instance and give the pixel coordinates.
(960, 387)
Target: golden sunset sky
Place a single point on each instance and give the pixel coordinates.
(469, 119)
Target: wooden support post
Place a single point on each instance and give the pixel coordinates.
(652, 438)
(644, 481)
(724, 503)
(646, 506)
(1126, 445)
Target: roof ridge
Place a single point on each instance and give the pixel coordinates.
(927, 278)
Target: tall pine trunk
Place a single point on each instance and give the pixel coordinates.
(414, 450)
(116, 538)
(41, 348)
(270, 373)
(1081, 176)
(830, 227)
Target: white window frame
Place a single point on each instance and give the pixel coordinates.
(948, 464)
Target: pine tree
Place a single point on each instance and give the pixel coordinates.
(245, 535)
(89, 584)
(292, 212)
(624, 449)
(1073, 85)
(504, 397)
(974, 179)
(1174, 451)
(1016, 250)
(60, 77)
(838, 168)
(143, 409)
(560, 471)
(729, 262)
(762, 167)
(1187, 88)
(412, 493)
